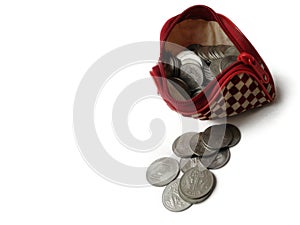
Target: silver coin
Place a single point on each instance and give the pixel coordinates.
(217, 161)
(162, 171)
(181, 146)
(195, 183)
(221, 49)
(178, 89)
(171, 198)
(197, 200)
(193, 59)
(171, 65)
(235, 133)
(186, 164)
(232, 51)
(211, 53)
(185, 55)
(207, 72)
(203, 52)
(192, 75)
(217, 137)
(215, 67)
(199, 148)
(227, 61)
(194, 201)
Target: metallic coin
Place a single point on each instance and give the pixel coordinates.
(199, 148)
(211, 53)
(162, 171)
(217, 137)
(187, 163)
(195, 183)
(197, 200)
(209, 76)
(203, 52)
(181, 146)
(217, 161)
(227, 61)
(193, 59)
(221, 49)
(192, 75)
(235, 133)
(232, 51)
(215, 67)
(178, 89)
(171, 198)
(186, 54)
(171, 65)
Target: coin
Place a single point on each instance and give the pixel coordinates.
(227, 61)
(186, 54)
(171, 64)
(195, 183)
(171, 198)
(199, 148)
(193, 59)
(181, 146)
(235, 133)
(217, 161)
(232, 51)
(162, 171)
(187, 163)
(215, 67)
(209, 76)
(203, 52)
(198, 200)
(192, 74)
(217, 137)
(178, 89)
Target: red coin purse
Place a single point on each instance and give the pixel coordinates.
(243, 85)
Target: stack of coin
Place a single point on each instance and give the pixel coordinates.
(191, 70)
(198, 153)
(198, 65)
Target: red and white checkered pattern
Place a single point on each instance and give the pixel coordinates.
(240, 94)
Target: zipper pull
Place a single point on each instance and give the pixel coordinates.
(248, 59)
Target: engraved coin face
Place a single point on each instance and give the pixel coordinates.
(188, 163)
(181, 146)
(199, 148)
(192, 74)
(171, 198)
(217, 161)
(235, 133)
(217, 137)
(197, 200)
(195, 183)
(192, 58)
(227, 61)
(162, 171)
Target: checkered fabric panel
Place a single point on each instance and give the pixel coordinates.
(240, 94)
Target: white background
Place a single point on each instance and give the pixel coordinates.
(45, 49)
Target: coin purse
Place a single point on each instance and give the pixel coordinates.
(244, 84)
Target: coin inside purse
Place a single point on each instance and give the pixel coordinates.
(195, 52)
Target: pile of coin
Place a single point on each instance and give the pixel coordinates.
(198, 153)
(191, 70)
